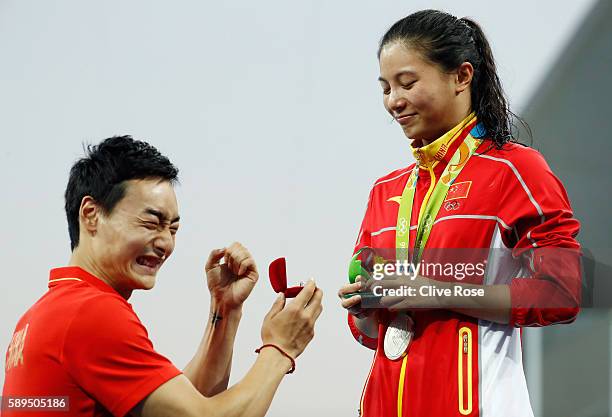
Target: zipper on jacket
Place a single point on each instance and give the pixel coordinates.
(365, 386)
(464, 371)
(400, 387)
(432, 185)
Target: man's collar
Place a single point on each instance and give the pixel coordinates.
(76, 273)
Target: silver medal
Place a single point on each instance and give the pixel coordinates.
(398, 336)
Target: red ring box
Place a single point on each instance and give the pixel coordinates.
(278, 278)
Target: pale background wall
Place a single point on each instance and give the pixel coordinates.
(570, 367)
(272, 112)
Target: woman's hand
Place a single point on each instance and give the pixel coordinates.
(416, 293)
(353, 304)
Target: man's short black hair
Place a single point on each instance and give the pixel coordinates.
(103, 171)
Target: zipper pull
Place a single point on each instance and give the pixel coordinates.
(465, 343)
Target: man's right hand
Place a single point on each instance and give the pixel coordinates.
(291, 326)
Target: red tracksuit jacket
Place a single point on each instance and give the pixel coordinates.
(458, 365)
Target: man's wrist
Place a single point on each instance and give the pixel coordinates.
(220, 312)
(276, 359)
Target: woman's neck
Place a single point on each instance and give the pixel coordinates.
(419, 143)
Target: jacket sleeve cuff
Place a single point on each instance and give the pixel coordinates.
(536, 302)
(365, 340)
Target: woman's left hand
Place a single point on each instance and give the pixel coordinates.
(407, 293)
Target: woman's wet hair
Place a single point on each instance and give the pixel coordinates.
(448, 42)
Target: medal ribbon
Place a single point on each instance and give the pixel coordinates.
(432, 205)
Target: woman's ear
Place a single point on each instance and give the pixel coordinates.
(463, 79)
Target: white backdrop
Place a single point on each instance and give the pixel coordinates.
(273, 114)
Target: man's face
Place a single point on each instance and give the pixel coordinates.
(131, 243)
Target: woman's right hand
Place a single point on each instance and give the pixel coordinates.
(353, 304)
(365, 320)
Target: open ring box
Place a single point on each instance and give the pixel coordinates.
(278, 279)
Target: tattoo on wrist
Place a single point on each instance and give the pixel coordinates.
(215, 318)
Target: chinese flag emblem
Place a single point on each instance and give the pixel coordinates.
(458, 190)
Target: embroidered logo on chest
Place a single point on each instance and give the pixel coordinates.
(458, 190)
(451, 205)
(14, 356)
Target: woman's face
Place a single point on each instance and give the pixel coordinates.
(419, 95)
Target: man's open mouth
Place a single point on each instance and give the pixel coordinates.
(149, 261)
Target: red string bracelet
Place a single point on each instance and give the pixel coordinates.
(281, 351)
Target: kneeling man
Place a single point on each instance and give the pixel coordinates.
(82, 351)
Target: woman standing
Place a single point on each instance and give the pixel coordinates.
(472, 187)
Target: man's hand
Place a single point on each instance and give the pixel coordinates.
(291, 327)
(230, 283)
